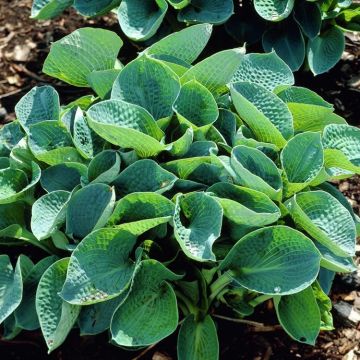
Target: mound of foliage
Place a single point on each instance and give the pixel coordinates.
(178, 193)
(294, 29)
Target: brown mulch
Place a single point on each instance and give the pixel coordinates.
(24, 44)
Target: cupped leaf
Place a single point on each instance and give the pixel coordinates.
(207, 11)
(104, 167)
(11, 287)
(196, 106)
(266, 115)
(140, 19)
(21, 157)
(288, 43)
(334, 262)
(308, 16)
(51, 143)
(95, 7)
(274, 10)
(64, 176)
(14, 185)
(310, 112)
(48, 213)
(325, 219)
(10, 135)
(99, 268)
(216, 71)
(86, 141)
(325, 50)
(25, 315)
(299, 315)
(267, 70)
(149, 314)
(344, 138)
(139, 206)
(302, 160)
(47, 9)
(185, 45)
(204, 218)
(253, 169)
(198, 340)
(245, 206)
(95, 319)
(126, 125)
(179, 4)
(184, 167)
(56, 316)
(39, 104)
(75, 56)
(148, 83)
(275, 260)
(89, 209)
(144, 176)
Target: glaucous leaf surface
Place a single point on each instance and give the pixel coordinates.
(56, 316)
(149, 313)
(99, 268)
(75, 56)
(198, 340)
(275, 260)
(299, 315)
(47, 9)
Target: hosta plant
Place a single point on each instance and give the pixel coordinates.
(296, 30)
(177, 192)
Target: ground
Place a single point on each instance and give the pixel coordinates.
(24, 44)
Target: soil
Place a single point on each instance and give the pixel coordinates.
(24, 44)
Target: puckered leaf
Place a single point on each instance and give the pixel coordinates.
(196, 106)
(99, 268)
(149, 314)
(276, 260)
(326, 220)
(204, 217)
(245, 206)
(126, 125)
(11, 287)
(149, 84)
(89, 209)
(75, 56)
(48, 213)
(310, 112)
(325, 50)
(25, 314)
(51, 143)
(252, 168)
(56, 316)
(207, 11)
(140, 19)
(39, 104)
(15, 186)
(64, 176)
(299, 315)
(266, 115)
(198, 340)
(274, 10)
(267, 70)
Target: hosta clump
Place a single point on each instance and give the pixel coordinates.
(294, 29)
(181, 191)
